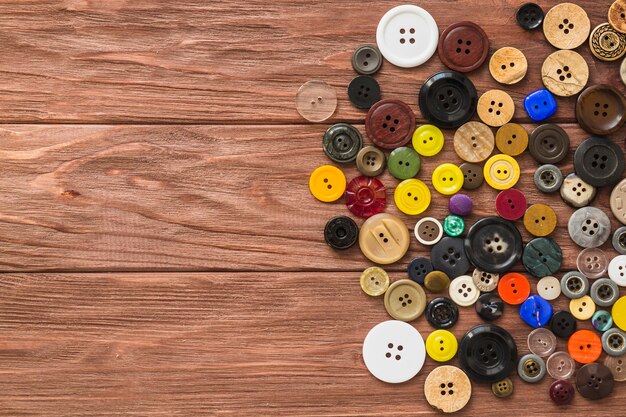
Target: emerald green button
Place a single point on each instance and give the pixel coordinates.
(404, 163)
(453, 225)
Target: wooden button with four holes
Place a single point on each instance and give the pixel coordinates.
(508, 65)
(447, 388)
(566, 26)
(565, 73)
(495, 108)
(405, 300)
(540, 220)
(473, 142)
(512, 139)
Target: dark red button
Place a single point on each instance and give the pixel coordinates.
(511, 204)
(562, 392)
(463, 46)
(365, 196)
(390, 124)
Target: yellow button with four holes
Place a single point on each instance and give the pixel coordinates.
(428, 140)
(441, 345)
(501, 172)
(447, 179)
(412, 196)
(327, 183)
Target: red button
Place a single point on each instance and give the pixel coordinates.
(511, 204)
(514, 288)
(390, 124)
(463, 46)
(365, 196)
(584, 346)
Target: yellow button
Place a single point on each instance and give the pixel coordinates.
(619, 313)
(384, 238)
(428, 140)
(501, 172)
(441, 345)
(374, 281)
(582, 308)
(412, 196)
(447, 179)
(327, 183)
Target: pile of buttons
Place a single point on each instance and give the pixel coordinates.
(474, 264)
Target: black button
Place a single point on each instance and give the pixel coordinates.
(488, 353)
(448, 255)
(493, 244)
(563, 324)
(418, 269)
(529, 16)
(342, 142)
(548, 144)
(489, 306)
(341, 232)
(442, 313)
(599, 161)
(364, 91)
(542, 256)
(448, 99)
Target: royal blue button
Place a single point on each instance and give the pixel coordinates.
(536, 311)
(540, 105)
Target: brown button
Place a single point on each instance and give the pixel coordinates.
(548, 144)
(502, 389)
(617, 15)
(601, 109)
(473, 142)
(390, 124)
(463, 46)
(565, 73)
(447, 388)
(436, 281)
(618, 201)
(384, 238)
(617, 366)
(566, 26)
(473, 175)
(512, 139)
(405, 300)
(508, 65)
(606, 43)
(540, 220)
(576, 192)
(594, 381)
(428, 231)
(495, 108)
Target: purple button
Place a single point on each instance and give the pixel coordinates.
(460, 204)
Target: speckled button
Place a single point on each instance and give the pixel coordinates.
(574, 284)
(453, 225)
(619, 240)
(548, 144)
(448, 99)
(405, 300)
(367, 59)
(403, 163)
(428, 140)
(342, 142)
(472, 175)
(463, 46)
(370, 161)
(584, 346)
(594, 381)
(549, 288)
(495, 108)
(374, 281)
(447, 389)
(606, 43)
(428, 231)
(582, 308)
(463, 291)
(617, 15)
(412, 196)
(566, 26)
(599, 161)
(390, 124)
(485, 281)
(617, 270)
(540, 220)
(604, 292)
(576, 192)
(384, 238)
(436, 281)
(565, 73)
(502, 389)
(601, 109)
(473, 142)
(508, 65)
(493, 244)
(447, 179)
(589, 227)
(542, 256)
(617, 366)
(448, 255)
(501, 172)
(511, 204)
(592, 262)
(548, 178)
(512, 139)
(618, 201)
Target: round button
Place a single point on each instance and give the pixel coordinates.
(370, 161)
(487, 353)
(463, 291)
(428, 231)
(529, 16)
(502, 389)
(463, 46)
(495, 108)
(485, 281)
(602, 320)
(447, 179)
(341, 232)
(548, 144)
(531, 368)
(589, 227)
(453, 225)
(618, 201)
(363, 92)
(549, 288)
(511, 204)
(394, 351)
(582, 308)
(390, 124)
(514, 288)
(442, 313)
(374, 281)
(327, 183)
(606, 43)
(342, 142)
(448, 99)
(489, 307)
(548, 178)
(619, 240)
(508, 65)
(405, 300)
(604, 292)
(418, 268)
(316, 101)
(535, 311)
(599, 161)
(565, 73)
(574, 284)
(563, 324)
(472, 175)
(584, 346)
(447, 388)
(594, 381)
(501, 172)
(576, 192)
(473, 142)
(428, 140)
(540, 220)
(441, 345)
(617, 15)
(542, 342)
(436, 281)
(601, 109)
(493, 244)
(616, 366)
(461, 204)
(592, 262)
(562, 392)
(407, 36)
(511, 139)
(384, 238)
(617, 270)
(622, 71)
(566, 26)
(448, 256)
(403, 163)
(619, 313)
(561, 365)
(367, 60)
(365, 196)
(412, 196)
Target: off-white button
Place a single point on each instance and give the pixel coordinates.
(549, 288)
(463, 291)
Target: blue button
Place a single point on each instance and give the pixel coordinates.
(536, 311)
(602, 321)
(540, 105)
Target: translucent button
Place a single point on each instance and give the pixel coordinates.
(542, 342)
(561, 365)
(316, 101)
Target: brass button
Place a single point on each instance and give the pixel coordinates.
(508, 65)
(566, 26)
(565, 73)
(502, 389)
(405, 300)
(473, 142)
(374, 281)
(495, 108)
(447, 388)
(384, 238)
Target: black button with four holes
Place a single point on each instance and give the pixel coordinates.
(364, 91)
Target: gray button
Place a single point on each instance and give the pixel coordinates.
(367, 59)
(576, 192)
(589, 227)
(614, 342)
(574, 285)
(604, 292)
(342, 142)
(531, 368)
(619, 240)
(548, 178)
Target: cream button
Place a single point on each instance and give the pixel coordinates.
(384, 238)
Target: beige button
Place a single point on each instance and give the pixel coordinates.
(565, 73)
(622, 71)
(566, 26)
(617, 15)
(436, 281)
(577, 192)
(447, 389)
(617, 366)
(582, 308)
(495, 108)
(374, 281)
(508, 65)
(606, 43)
(618, 201)
(473, 142)
(384, 238)
(485, 281)
(405, 300)
(512, 139)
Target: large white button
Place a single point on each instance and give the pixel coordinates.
(617, 270)
(463, 291)
(394, 351)
(407, 36)
(549, 288)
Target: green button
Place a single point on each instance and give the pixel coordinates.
(404, 163)
(453, 225)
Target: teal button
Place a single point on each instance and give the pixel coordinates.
(602, 321)
(404, 163)
(453, 225)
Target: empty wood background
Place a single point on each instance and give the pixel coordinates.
(160, 253)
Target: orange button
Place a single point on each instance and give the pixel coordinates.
(584, 346)
(514, 288)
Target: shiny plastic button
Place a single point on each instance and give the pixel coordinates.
(531, 368)
(341, 232)
(511, 204)
(436, 281)
(618, 201)
(540, 105)
(418, 268)
(535, 311)
(574, 284)
(512, 139)
(316, 101)
(514, 288)
(463, 46)
(548, 144)
(576, 192)
(472, 175)
(589, 227)
(548, 178)
(473, 142)
(562, 392)
(442, 313)
(592, 262)
(619, 240)
(582, 308)
(602, 320)
(365, 196)
(601, 109)
(363, 91)
(542, 256)
(501, 172)
(460, 204)
(565, 73)
(428, 231)
(384, 238)
(617, 270)
(495, 108)
(529, 16)
(342, 142)
(542, 342)
(604, 292)
(441, 345)
(487, 353)
(463, 291)
(616, 365)
(405, 300)
(390, 124)
(560, 365)
(374, 281)
(594, 381)
(508, 65)
(453, 225)
(447, 179)
(493, 244)
(485, 281)
(502, 389)
(540, 220)
(549, 288)
(566, 26)
(367, 60)
(584, 346)
(404, 163)
(619, 313)
(563, 324)
(599, 161)
(428, 140)
(370, 161)
(448, 255)
(412, 196)
(489, 307)
(327, 183)
(448, 99)
(448, 389)
(606, 43)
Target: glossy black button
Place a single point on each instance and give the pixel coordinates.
(418, 269)
(529, 16)
(341, 232)
(548, 144)
(599, 161)
(488, 353)
(448, 255)
(493, 244)
(594, 381)
(363, 91)
(563, 324)
(448, 99)
(542, 257)
(442, 313)
(342, 142)
(489, 306)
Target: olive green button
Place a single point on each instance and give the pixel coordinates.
(436, 281)
(404, 163)
(374, 281)
(384, 238)
(453, 225)
(405, 300)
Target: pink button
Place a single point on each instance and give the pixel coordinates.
(365, 196)
(511, 204)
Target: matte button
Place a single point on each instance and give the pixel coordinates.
(428, 140)
(502, 389)
(511, 204)
(540, 220)
(617, 270)
(493, 244)
(463, 46)
(542, 257)
(370, 161)
(622, 71)
(461, 204)
(584, 346)
(531, 368)
(606, 43)
(412, 196)
(485, 281)
(601, 109)
(367, 59)
(617, 15)
(487, 353)
(363, 92)
(594, 381)
(535, 311)
(512, 139)
(447, 389)
(472, 175)
(514, 288)
(562, 392)
(495, 108)
(616, 366)
(561, 365)
(453, 225)
(563, 324)
(619, 313)
(448, 99)
(602, 320)
(447, 179)
(436, 281)
(428, 231)
(576, 192)
(365, 196)
(574, 284)
(548, 144)
(384, 238)
(418, 268)
(473, 142)
(592, 262)
(540, 105)
(618, 201)
(614, 342)
(489, 307)
(619, 240)
(442, 313)
(604, 292)
(549, 288)
(390, 124)
(404, 163)
(463, 291)
(342, 142)
(589, 227)
(441, 345)
(448, 255)
(541, 342)
(529, 16)
(508, 65)
(405, 300)
(327, 183)
(501, 172)
(316, 101)
(566, 26)
(374, 281)
(565, 73)
(548, 178)
(341, 232)
(599, 161)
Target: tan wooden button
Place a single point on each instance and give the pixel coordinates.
(405, 300)
(606, 43)
(508, 65)
(473, 142)
(447, 388)
(384, 238)
(495, 108)
(512, 139)
(576, 192)
(540, 220)
(374, 281)
(565, 73)
(618, 201)
(617, 15)
(436, 281)
(566, 26)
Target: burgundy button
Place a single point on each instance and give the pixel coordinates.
(511, 204)
(562, 392)
(390, 124)
(463, 46)
(365, 196)
(601, 109)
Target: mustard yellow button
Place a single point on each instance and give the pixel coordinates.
(582, 308)
(374, 281)
(441, 345)
(447, 179)
(384, 238)
(428, 140)
(619, 313)
(327, 183)
(501, 172)
(412, 196)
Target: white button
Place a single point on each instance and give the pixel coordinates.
(463, 291)
(617, 270)
(433, 231)
(407, 36)
(393, 351)
(549, 288)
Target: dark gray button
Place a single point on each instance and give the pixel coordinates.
(619, 240)
(599, 161)
(363, 92)
(589, 227)
(472, 175)
(576, 192)
(370, 161)
(548, 178)
(448, 255)
(542, 257)
(574, 285)
(548, 144)
(604, 292)
(366, 59)
(342, 142)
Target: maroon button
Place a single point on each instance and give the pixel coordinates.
(390, 124)
(562, 392)
(365, 196)
(511, 204)
(601, 109)
(463, 46)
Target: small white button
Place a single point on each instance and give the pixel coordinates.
(394, 351)
(549, 288)
(617, 270)
(463, 291)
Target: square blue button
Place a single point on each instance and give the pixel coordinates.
(540, 105)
